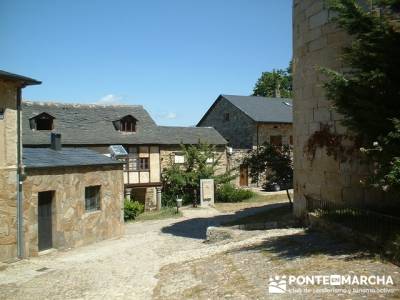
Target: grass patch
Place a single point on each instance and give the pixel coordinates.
(282, 213)
(256, 200)
(164, 213)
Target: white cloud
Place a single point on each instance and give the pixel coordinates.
(166, 116)
(109, 100)
(170, 115)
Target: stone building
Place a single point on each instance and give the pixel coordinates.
(247, 122)
(149, 147)
(54, 197)
(317, 42)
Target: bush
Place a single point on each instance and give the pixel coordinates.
(183, 180)
(132, 209)
(229, 193)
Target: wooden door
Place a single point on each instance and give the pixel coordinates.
(244, 177)
(45, 236)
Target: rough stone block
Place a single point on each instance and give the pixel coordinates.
(218, 234)
(318, 19)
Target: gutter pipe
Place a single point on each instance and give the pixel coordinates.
(20, 206)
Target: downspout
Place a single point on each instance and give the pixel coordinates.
(20, 207)
(258, 180)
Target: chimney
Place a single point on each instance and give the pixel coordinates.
(55, 141)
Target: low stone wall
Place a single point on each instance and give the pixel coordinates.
(72, 225)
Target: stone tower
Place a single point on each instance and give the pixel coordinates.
(10, 98)
(317, 42)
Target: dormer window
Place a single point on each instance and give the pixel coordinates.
(126, 124)
(43, 121)
(226, 117)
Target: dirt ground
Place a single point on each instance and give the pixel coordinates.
(169, 259)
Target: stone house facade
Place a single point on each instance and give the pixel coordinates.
(248, 122)
(318, 42)
(64, 186)
(30, 221)
(97, 127)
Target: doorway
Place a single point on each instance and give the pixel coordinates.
(45, 234)
(244, 176)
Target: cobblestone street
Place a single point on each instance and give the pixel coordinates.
(168, 259)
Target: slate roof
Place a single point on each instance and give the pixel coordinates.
(92, 125)
(191, 135)
(35, 158)
(20, 78)
(260, 109)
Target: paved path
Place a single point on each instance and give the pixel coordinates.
(168, 259)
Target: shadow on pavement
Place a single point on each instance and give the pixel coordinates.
(309, 243)
(196, 228)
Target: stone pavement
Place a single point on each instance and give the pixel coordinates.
(168, 259)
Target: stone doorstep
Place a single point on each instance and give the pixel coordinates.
(47, 251)
(3, 266)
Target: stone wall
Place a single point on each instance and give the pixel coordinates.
(235, 160)
(317, 42)
(238, 131)
(144, 195)
(266, 130)
(8, 171)
(72, 225)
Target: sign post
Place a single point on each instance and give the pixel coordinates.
(206, 192)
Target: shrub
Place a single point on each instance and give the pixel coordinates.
(229, 193)
(132, 209)
(183, 180)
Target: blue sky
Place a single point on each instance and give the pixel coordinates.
(174, 57)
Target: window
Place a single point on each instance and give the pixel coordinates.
(132, 159)
(43, 121)
(179, 158)
(92, 198)
(226, 117)
(291, 140)
(276, 140)
(131, 163)
(1, 113)
(144, 164)
(126, 124)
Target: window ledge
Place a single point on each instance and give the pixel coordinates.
(91, 212)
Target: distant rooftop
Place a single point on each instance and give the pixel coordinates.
(36, 158)
(261, 109)
(90, 124)
(15, 77)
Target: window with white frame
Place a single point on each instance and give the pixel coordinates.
(179, 158)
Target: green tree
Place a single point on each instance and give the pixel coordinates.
(183, 180)
(277, 83)
(367, 93)
(271, 164)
